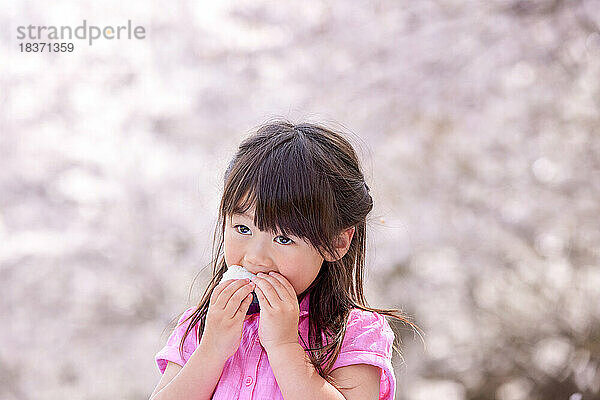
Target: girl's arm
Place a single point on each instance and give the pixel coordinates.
(220, 340)
(296, 376)
(197, 379)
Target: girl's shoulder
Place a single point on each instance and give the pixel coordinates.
(364, 318)
(186, 314)
(181, 328)
(170, 352)
(367, 327)
(369, 340)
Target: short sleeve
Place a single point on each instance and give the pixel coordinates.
(369, 340)
(170, 352)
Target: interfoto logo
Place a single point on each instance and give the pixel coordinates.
(91, 32)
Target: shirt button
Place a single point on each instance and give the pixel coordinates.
(249, 381)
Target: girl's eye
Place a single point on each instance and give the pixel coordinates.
(288, 240)
(243, 231)
(242, 227)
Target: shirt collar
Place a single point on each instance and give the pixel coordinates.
(304, 305)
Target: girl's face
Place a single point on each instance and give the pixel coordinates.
(257, 251)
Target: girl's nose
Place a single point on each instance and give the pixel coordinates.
(255, 267)
(258, 259)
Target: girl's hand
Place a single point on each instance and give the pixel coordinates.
(227, 308)
(279, 310)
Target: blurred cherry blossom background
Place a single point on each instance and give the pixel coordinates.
(478, 125)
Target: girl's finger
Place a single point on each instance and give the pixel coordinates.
(267, 288)
(281, 290)
(233, 304)
(219, 288)
(262, 300)
(244, 306)
(226, 294)
(285, 283)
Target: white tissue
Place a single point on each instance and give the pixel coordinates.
(237, 272)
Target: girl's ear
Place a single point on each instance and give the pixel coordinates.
(342, 244)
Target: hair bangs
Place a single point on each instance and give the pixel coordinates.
(290, 197)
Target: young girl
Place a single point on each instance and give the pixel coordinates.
(293, 212)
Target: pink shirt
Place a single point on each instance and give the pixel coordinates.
(248, 375)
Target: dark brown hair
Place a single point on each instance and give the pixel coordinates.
(304, 180)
